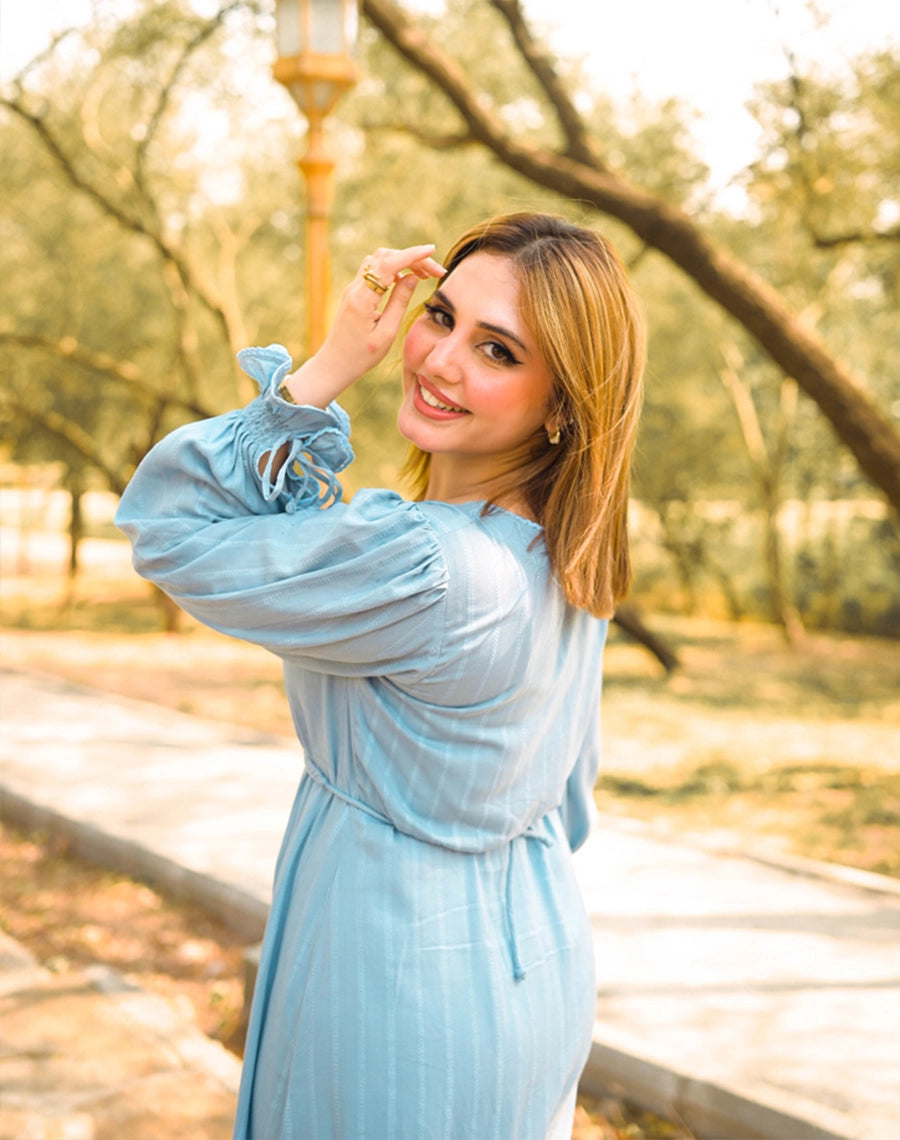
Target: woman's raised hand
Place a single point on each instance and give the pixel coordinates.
(366, 323)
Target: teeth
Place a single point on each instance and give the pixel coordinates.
(434, 402)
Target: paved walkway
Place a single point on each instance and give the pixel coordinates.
(86, 1056)
(756, 999)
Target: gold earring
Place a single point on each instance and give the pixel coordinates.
(553, 438)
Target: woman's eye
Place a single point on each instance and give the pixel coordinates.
(494, 350)
(498, 353)
(439, 316)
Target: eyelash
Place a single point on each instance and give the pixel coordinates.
(443, 318)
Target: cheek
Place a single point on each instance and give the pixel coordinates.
(415, 347)
(523, 401)
(492, 399)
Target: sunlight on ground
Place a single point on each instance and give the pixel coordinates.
(748, 741)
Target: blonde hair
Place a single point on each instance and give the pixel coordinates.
(589, 328)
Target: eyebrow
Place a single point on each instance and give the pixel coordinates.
(499, 329)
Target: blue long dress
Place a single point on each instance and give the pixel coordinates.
(427, 969)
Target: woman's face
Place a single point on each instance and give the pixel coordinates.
(475, 388)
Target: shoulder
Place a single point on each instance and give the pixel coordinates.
(494, 541)
(489, 564)
(463, 529)
(498, 573)
(389, 527)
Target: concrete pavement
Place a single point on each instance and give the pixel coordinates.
(753, 998)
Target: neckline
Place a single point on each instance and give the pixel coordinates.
(480, 504)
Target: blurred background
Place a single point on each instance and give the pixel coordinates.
(744, 159)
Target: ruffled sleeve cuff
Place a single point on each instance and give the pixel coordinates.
(318, 438)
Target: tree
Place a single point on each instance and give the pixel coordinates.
(145, 255)
(120, 322)
(767, 463)
(127, 320)
(575, 168)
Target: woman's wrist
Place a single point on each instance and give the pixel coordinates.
(315, 383)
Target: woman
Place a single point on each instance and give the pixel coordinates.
(427, 969)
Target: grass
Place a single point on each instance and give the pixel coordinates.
(829, 811)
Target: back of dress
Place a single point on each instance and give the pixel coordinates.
(476, 742)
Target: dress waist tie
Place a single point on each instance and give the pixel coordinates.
(319, 777)
(531, 832)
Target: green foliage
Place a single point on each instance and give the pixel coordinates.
(168, 231)
(825, 209)
(129, 237)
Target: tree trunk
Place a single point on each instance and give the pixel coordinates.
(628, 619)
(75, 487)
(767, 465)
(172, 615)
(784, 610)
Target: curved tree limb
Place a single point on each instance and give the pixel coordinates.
(804, 135)
(628, 618)
(123, 372)
(855, 237)
(18, 80)
(73, 435)
(170, 255)
(540, 64)
(856, 420)
(433, 141)
(207, 29)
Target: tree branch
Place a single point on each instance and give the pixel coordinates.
(412, 43)
(540, 64)
(854, 237)
(18, 80)
(754, 440)
(434, 142)
(165, 95)
(123, 372)
(73, 435)
(127, 221)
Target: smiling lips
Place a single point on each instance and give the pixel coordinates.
(435, 403)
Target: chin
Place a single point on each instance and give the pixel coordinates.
(406, 425)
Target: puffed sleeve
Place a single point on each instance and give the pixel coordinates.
(277, 558)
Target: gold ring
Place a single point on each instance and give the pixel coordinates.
(374, 282)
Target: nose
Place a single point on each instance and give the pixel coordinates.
(443, 359)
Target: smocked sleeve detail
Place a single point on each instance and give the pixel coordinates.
(320, 449)
(275, 557)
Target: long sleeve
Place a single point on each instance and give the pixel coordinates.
(279, 559)
(578, 810)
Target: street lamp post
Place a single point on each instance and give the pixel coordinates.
(316, 45)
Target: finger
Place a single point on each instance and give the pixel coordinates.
(389, 264)
(397, 303)
(426, 268)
